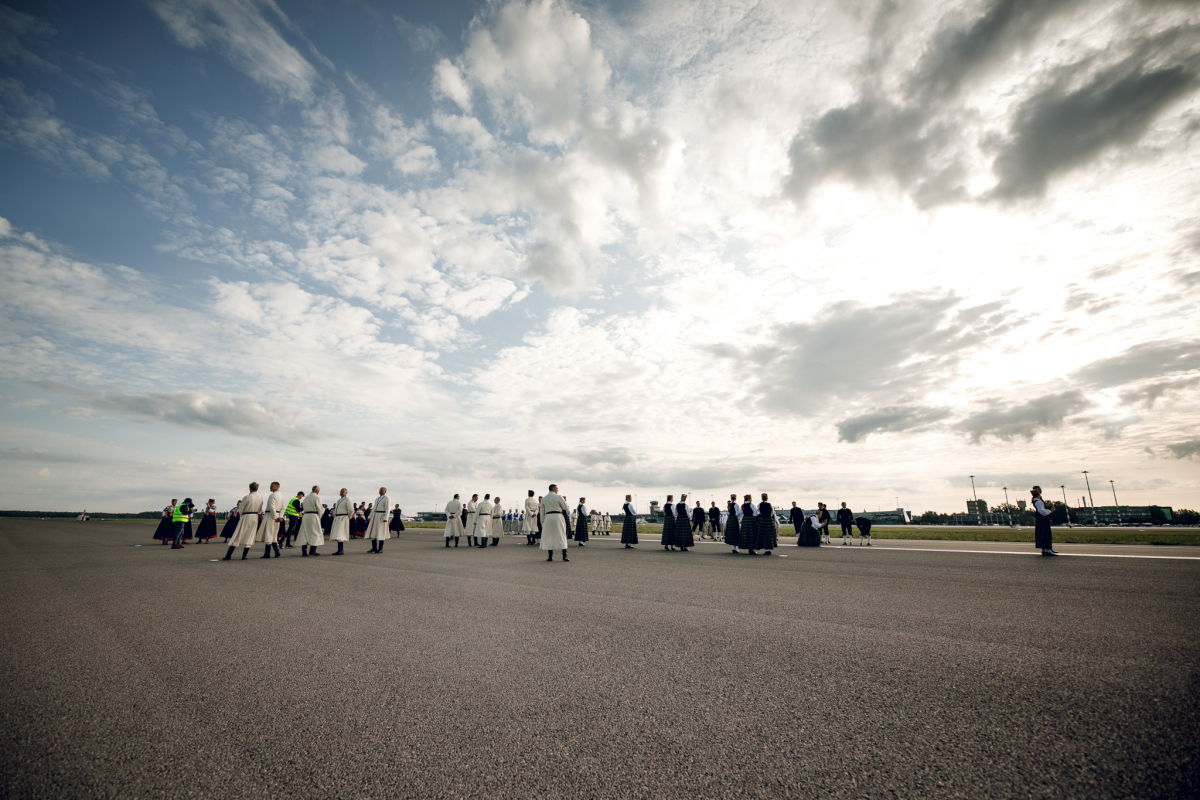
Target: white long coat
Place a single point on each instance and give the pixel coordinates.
(531, 516)
(247, 527)
(554, 527)
(310, 524)
(454, 525)
(377, 527)
(483, 519)
(343, 511)
(497, 520)
(469, 525)
(268, 529)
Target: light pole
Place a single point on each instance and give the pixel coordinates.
(1066, 505)
(978, 518)
(1115, 503)
(1007, 508)
(1095, 519)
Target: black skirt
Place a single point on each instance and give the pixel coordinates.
(668, 533)
(768, 534)
(165, 529)
(1043, 535)
(629, 530)
(749, 532)
(683, 532)
(396, 524)
(581, 528)
(230, 526)
(733, 534)
(187, 531)
(208, 527)
(809, 536)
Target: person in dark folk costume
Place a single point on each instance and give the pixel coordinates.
(541, 518)
(714, 519)
(208, 522)
(698, 518)
(796, 517)
(823, 516)
(231, 522)
(292, 515)
(733, 528)
(864, 530)
(768, 526)
(845, 518)
(749, 526)
(397, 524)
(1043, 534)
(629, 524)
(326, 519)
(668, 531)
(581, 522)
(165, 532)
(810, 532)
(683, 527)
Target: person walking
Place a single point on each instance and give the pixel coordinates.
(165, 532)
(250, 507)
(292, 513)
(1043, 535)
(272, 519)
(554, 527)
(845, 518)
(377, 528)
(629, 524)
(231, 522)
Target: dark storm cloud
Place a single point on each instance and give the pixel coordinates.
(1188, 449)
(204, 410)
(1058, 129)
(857, 351)
(1148, 360)
(1023, 420)
(921, 137)
(889, 419)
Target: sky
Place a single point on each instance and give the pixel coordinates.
(839, 251)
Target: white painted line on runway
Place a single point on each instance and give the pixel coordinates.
(1019, 553)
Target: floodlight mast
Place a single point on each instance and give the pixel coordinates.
(1066, 506)
(978, 516)
(1115, 503)
(1007, 508)
(1091, 502)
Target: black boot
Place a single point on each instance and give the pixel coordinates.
(340, 551)
(229, 554)
(374, 546)
(565, 556)
(277, 553)
(495, 541)
(313, 551)
(628, 547)
(266, 552)
(456, 541)
(304, 550)
(551, 556)
(447, 542)
(245, 553)
(380, 550)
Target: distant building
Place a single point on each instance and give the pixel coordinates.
(1123, 515)
(431, 516)
(977, 507)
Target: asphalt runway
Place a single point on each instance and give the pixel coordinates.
(858, 672)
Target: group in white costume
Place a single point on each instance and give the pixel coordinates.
(311, 536)
(454, 525)
(377, 527)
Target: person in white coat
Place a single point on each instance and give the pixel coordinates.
(243, 535)
(454, 526)
(529, 525)
(343, 512)
(554, 526)
(497, 521)
(377, 527)
(483, 521)
(311, 536)
(272, 516)
(469, 525)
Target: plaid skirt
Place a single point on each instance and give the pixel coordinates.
(1043, 535)
(683, 532)
(629, 530)
(733, 533)
(581, 528)
(749, 539)
(768, 533)
(668, 534)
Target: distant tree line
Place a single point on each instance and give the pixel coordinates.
(1059, 515)
(74, 514)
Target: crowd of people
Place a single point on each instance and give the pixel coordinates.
(547, 521)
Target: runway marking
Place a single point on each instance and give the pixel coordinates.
(999, 552)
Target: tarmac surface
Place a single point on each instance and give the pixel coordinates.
(914, 669)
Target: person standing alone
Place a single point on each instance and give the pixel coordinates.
(845, 518)
(1043, 536)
